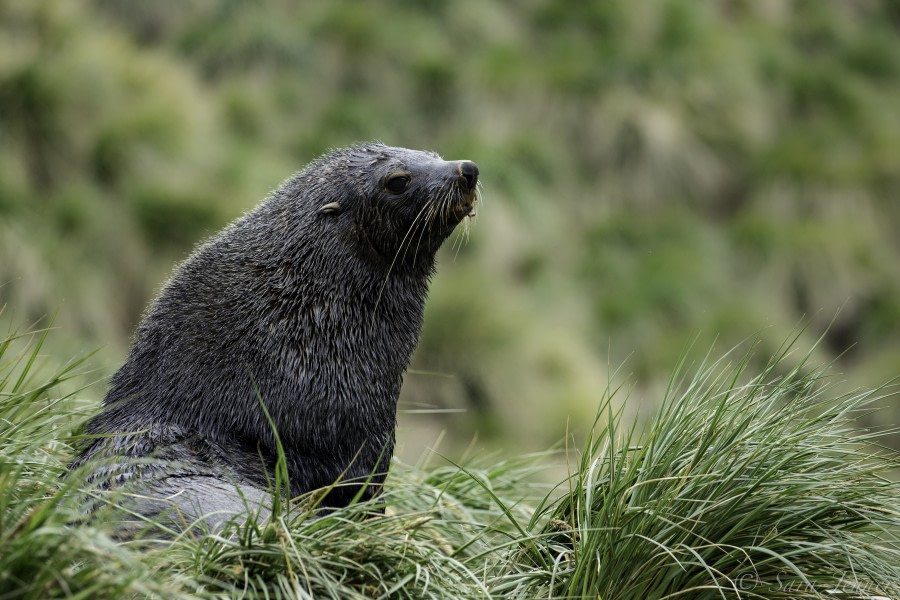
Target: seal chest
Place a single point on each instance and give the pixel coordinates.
(312, 304)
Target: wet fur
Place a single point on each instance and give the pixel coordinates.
(318, 310)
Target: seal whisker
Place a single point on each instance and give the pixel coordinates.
(473, 215)
(387, 275)
(461, 237)
(424, 228)
(447, 202)
(406, 243)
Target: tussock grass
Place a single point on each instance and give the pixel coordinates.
(41, 555)
(742, 486)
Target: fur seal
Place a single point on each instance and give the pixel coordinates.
(312, 304)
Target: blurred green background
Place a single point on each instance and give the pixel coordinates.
(654, 172)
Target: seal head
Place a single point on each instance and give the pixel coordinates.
(401, 199)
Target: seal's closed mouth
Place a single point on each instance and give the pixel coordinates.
(466, 207)
(468, 186)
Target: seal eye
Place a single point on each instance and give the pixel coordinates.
(397, 184)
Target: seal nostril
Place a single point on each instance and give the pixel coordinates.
(468, 172)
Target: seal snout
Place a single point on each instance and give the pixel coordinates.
(468, 175)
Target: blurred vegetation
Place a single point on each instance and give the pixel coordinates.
(654, 171)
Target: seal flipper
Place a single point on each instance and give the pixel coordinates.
(206, 501)
(171, 479)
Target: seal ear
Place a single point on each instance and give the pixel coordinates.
(331, 208)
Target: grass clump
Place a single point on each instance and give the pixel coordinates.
(41, 554)
(353, 553)
(741, 486)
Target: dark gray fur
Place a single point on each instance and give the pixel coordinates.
(321, 308)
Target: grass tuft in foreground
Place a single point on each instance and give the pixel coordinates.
(742, 486)
(41, 555)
